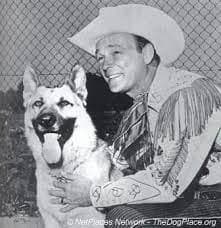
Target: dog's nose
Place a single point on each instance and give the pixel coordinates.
(47, 120)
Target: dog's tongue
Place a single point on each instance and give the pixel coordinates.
(51, 148)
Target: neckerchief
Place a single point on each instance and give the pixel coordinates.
(133, 139)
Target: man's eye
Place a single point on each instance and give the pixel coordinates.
(63, 103)
(38, 104)
(117, 52)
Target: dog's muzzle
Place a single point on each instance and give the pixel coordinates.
(53, 131)
(47, 120)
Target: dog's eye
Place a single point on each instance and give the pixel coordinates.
(38, 104)
(63, 103)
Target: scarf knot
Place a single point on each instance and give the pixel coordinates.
(133, 138)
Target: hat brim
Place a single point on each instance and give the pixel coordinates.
(151, 23)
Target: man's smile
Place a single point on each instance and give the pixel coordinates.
(114, 75)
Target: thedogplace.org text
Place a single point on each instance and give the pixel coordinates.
(179, 222)
(167, 222)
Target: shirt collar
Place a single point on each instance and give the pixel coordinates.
(160, 84)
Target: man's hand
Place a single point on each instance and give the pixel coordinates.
(74, 192)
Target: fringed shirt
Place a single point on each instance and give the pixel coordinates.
(167, 136)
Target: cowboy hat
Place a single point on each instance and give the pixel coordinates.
(151, 23)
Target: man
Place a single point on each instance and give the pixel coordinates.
(169, 137)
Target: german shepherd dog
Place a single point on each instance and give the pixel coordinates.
(63, 140)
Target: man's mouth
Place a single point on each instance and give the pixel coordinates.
(113, 76)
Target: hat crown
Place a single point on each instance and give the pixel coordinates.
(146, 21)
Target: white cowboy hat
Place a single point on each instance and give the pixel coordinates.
(151, 23)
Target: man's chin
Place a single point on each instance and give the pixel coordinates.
(114, 89)
(116, 86)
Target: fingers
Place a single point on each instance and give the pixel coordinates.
(67, 179)
(71, 177)
(57, 193)
(58, 184)
(56, 200)
(68, 208)
(59, 200)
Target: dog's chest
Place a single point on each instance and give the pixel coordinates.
(96, 168)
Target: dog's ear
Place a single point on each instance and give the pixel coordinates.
(30, 83)
(77, 82)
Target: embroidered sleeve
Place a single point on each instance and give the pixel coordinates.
(187, 127)
(134, 189)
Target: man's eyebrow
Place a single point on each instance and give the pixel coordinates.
(114, 45)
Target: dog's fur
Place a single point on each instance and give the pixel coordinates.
(76, 149)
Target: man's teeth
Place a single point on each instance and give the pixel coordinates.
(114, 76)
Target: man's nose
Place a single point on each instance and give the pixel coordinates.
(107, 64)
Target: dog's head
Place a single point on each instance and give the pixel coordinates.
(52, 114)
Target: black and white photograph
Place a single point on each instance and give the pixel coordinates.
(110, 113)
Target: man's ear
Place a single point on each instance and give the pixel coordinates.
(148, 53)
(77, 82)
(30, 83)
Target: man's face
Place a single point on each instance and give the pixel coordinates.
(120, 63)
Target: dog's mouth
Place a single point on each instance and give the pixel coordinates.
(53, 132)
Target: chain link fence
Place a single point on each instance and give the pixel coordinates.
(36, 32)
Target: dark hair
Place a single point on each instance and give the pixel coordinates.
(141, 42)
